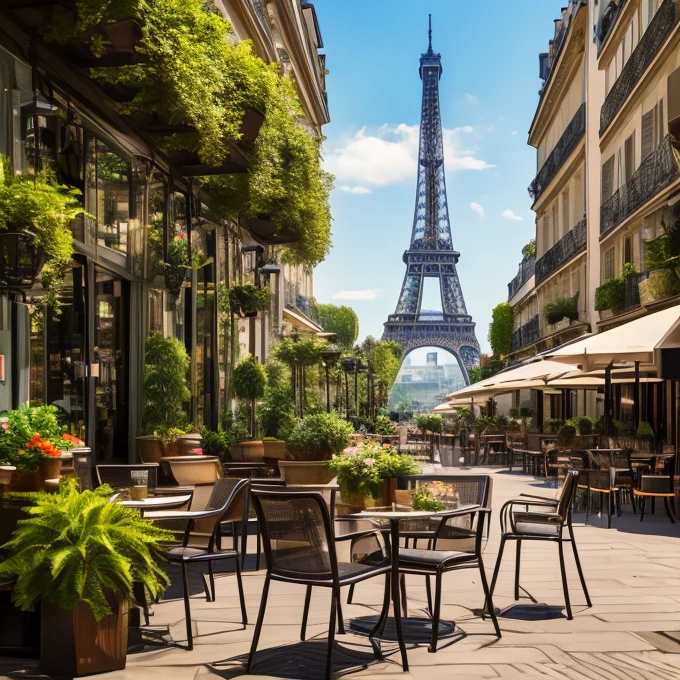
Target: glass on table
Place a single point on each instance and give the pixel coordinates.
(140, 485)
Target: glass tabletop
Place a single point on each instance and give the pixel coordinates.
(397, 511)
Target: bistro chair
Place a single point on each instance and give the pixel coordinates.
(603, 483)
(518, 523)
(299, 547)
(656, 486)
(120, 476)
(201, 541)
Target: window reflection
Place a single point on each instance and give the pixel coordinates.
(113, 198)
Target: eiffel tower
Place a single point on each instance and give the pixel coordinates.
(431, 253)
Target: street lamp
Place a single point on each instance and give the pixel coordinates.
(329, 357)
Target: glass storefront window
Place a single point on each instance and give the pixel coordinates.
(156, 220)
(113, 198)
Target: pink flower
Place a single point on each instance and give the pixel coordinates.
(197, 452)
(350, 450)
(369, 461)
(5, 426)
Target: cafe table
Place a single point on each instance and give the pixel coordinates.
(157, 502)
(380, 517)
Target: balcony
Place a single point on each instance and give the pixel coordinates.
(569, 140)
(654, 37)
(569, 246)
(657, 171)
(607, 21)
(527, 334)
(526, 271)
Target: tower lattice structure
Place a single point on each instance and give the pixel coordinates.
(431, 252)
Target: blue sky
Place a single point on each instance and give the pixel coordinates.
(488, 94)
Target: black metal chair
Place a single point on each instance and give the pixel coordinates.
(603, 483)
(202, 540)
(548, 524)
(299, 547)
(656, 486)
(117, 476)
(444, 557)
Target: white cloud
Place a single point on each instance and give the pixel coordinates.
(478, 209)
(471, 98)
(355, 190)
(514, 133)
(510, 215)
(390, 156)
(366, 294)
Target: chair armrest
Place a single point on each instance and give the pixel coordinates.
(543, 498)
(181, 514)
(544, 502)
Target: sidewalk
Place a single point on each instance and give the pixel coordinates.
(632, 631)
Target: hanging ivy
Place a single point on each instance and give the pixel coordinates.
(248, 299)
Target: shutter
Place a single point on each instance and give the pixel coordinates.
(556, 222)
(661, 133)
(608, 265)
(650, 11)
(629, 160)
(648, 133)
(608, 179)
(566, 224)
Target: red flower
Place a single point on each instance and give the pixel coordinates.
(36, 438)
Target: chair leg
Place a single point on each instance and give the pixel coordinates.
(404, 601)
(382, 619)
(244, 543)
(241, 596)
(632, 499)
(437, 610)
(428, 590)
(187, 607)
(517, 561)
(609, 510)
(210, 596)
(350, 594)
(487, 599)
(341, 620)
(335, 597)
(578, 567)
(642, 507)
(498, 565)
(259, 551)
(305, 613)
(669, 512)
(565, 585)
(258, 626)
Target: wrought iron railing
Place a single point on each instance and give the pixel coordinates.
(569, 246)
(654, 37)
(526, 334)
(631, 290)
(572, 135)
(657, 171)
(526, 271)
(608, 19)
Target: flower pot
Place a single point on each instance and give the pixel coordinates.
(274, 449)
(253, 451)
(386, 497)
(20, 260)
(306, 472)
(6, 472)
(236, 453)
(659, 284)
(23, 480)
(193, 470)
(73, 643)
(50, 468)
(606, 314)
(188, 443)
(250, 126)
(150, 449)
(174, 278)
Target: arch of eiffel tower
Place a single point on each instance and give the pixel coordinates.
(431, 252)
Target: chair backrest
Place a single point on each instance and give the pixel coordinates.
(82, 466)
(296, 532)
(620, 459)
(656, 483)
(598, 461)
(471, 489)
(567, 494)
(599, 480)
(118, 476)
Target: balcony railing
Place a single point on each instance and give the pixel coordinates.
(526, 271)
(654, 37)
(568, 247)
(631, 290)
(657, 171)
(573, 134)
(608, 19)
(526, 334)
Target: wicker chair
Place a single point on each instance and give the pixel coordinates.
(656, 486)
(202, 541)
(299, 546)
(603, 483)
(117, 476)
(546, 525)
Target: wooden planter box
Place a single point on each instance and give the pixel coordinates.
(73, 644)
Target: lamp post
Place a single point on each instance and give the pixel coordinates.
(329, 357)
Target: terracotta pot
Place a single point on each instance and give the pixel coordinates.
(236, 453)
(50, 468)
(253, 451)
(306, 471)
(26, 481)
(193, 470)
(186, 443)
(275, 449)
(6, 472)
(150, 449)
(74, 644)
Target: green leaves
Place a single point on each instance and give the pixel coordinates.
(342, 321)
(501, 328)
(319, 436)
(74, 547)
(249, 379)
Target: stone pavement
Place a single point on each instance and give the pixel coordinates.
(632, 631)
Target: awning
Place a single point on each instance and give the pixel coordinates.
(300, 321)
(636, 341)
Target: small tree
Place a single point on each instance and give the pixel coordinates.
(342, 321)
(249, 384)
(501, 328)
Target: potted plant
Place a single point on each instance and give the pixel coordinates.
(6, 472)
(311, 445)
(562, 309)
(364, 470)
(165, 395)
(36, 241)
(249, 385)
(248, 300)
(276, 418)
(78, 555)
(644, 435)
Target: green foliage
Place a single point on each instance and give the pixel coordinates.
(165, 385)
(501, 328)
(584, 425)
(529, 250)
(430, 423)
(276, 412)
(489, 367)
(623, 428)
(342, 321)
(248, 299)
(644, 431)
(425, 501)
(299, 352)
(249, 379)
(19, 426)
(278, 374)
(384, 426)
(38, 205)
(215, 442)
(561, 308)
(552, 425)
(362, 469)
(612, 293)
(319, 436)
(75, 547)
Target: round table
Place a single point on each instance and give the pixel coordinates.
(158, 502)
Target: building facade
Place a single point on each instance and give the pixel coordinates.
(89, 360)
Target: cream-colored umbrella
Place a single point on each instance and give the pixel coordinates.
(636, 341)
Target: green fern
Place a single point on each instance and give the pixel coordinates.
(76, 546)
